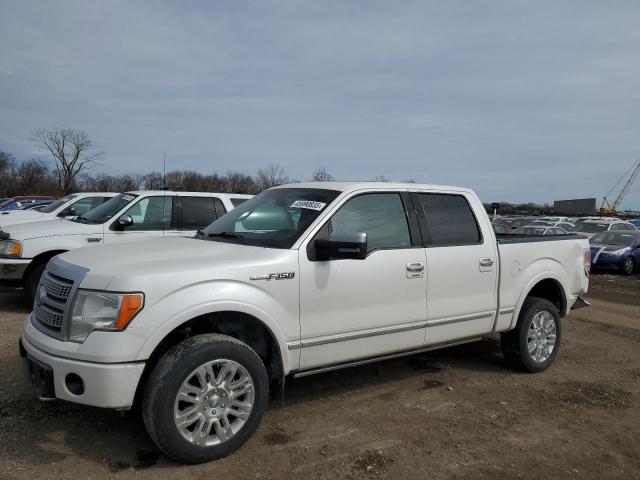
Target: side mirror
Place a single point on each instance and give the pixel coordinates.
(125, 221)
(342, 245)
(68, 212)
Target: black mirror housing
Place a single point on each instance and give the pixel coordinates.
(342, 245)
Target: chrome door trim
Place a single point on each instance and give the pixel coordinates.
(463, 318)
(342, 337)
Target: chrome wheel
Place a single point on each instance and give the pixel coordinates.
(214, 402)
(541, 337)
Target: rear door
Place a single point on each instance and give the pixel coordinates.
(461, 266)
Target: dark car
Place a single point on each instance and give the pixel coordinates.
(616, 250)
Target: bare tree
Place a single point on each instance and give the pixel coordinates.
(321, 175)
(381, 178)
(72, 151)
(271, 176)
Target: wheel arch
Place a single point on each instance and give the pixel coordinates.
(545, 285)
(243, 326)
(39, 259)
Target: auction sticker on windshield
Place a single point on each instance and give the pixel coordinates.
(308, 204)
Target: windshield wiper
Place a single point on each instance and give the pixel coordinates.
(232, 235)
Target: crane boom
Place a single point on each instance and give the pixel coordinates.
(612, 207)
(627, 186)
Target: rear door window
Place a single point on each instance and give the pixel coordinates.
(450, 220)
(197, 212)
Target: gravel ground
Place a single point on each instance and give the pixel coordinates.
(456, 413)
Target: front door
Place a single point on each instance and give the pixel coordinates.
(351, 309)
(152, 217)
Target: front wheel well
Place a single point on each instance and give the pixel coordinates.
(242, 326)
(551, 290)
(40, 259)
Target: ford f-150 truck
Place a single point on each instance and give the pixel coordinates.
(25, 249)
(72, 205)
(298, 280)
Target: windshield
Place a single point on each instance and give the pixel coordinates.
(529, 231)
(614, 238)
(107, 210)
(275, 218)
(591, 227)
(57, 204)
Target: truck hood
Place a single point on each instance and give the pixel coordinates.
(50, 228)
(7, 219)
(131, 266)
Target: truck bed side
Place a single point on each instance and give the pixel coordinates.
(552, 265)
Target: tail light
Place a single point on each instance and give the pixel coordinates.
(587, 260)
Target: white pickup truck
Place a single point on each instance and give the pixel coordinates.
(26, 248)
(300, 279)
(70, 206)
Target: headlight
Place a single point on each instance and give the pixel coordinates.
(616, 253)
(10, 248)
(103, 311)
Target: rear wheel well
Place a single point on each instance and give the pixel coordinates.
(551, 290)
(242, 326)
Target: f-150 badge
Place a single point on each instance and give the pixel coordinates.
(274, 276)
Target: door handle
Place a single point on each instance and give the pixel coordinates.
(415, 267)
(486, 262)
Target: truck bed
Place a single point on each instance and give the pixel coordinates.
(506, 238)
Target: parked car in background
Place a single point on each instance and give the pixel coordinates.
(538, 230)
(556, 219)
(16, 203)
(300, 279)
(590, 227)
(26, 248)
(513, 222)
(70, 206)
(36, 204)
(550, 223)
(636, 222)
(616, 250)
(501, 229)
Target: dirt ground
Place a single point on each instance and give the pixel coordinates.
(456, 413)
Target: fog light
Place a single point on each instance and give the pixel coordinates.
(74, 384)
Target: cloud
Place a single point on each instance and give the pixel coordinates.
(521, 101)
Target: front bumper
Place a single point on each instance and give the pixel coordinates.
(12, 270)
(107, 385)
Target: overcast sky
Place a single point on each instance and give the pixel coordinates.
(522, 101)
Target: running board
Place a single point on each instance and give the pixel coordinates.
(339, 366)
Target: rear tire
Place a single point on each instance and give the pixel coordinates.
(533, 344)
(205, 398)
(32, 280)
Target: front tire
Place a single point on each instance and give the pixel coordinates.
(533, 344)
(205, 397)
(629, 266)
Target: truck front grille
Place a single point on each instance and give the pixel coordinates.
(51, 299)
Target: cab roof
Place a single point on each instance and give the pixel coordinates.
(353, 186)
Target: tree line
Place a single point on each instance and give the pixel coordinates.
(73, 154)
